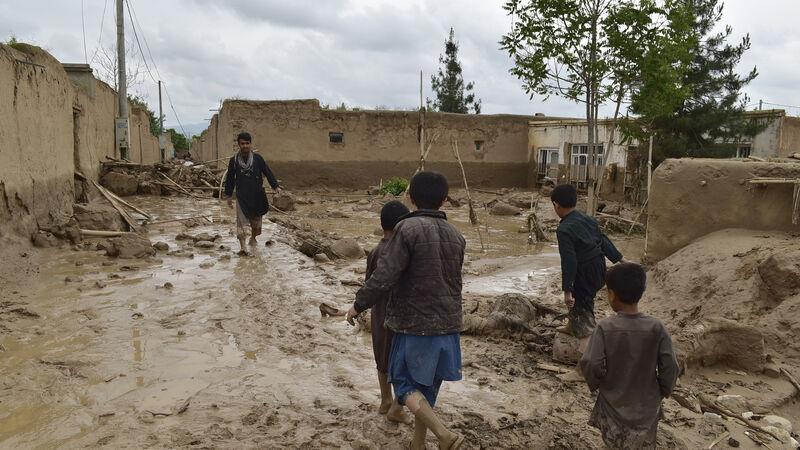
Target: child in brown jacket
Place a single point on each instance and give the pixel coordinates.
(630, 361)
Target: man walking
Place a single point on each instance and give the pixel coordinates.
(246, 172)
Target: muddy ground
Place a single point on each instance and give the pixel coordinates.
(201, 348)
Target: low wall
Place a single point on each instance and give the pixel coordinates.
(362, 174)
(295, 138)
(691, 198)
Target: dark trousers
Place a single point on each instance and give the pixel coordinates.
(590, 278)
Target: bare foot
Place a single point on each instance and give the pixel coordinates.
(386, 405)
(452, 443)
(252, 242)
(398, 415)
(243, 252)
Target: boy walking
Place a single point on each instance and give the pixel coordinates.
(246, 172)
(630, 360)
(583, 249)
(391, 214)
(421, 266)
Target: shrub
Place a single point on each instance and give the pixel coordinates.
(394, 186)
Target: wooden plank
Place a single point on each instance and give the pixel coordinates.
(128, 219)
(182, 189)
(117, 198)
(102, 233)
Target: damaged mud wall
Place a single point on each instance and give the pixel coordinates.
(691, 198)
(36, 140)
(54, 121)
(307, 145)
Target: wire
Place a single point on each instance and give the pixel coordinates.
(144, 38)
(100, 38)
(169, 99)
(83, 26)
(134, 25)
(136, 36)
(778, 104)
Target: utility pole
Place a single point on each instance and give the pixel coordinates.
(122, 134)
(421, 127)
(760, 104)
(161, 138)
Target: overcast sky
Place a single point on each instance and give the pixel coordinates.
(364, 53)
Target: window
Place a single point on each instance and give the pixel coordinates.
(478, 146)
(580, 162)
(548, 163)
(336, 137)
(743, 151)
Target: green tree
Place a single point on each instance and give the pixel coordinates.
(452, 95)
(154, 122)
(708, 118)
(179, 141)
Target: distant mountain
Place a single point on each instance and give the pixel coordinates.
(191, 129)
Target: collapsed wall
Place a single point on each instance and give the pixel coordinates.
(691, 198)
(307, 145)
(52, 124)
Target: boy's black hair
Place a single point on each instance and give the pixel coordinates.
(391, 213)
(428, 190)
(244, 136)
(565, 195)
(628, 280)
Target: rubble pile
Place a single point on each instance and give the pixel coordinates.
(175, 177)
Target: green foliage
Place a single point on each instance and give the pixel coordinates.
(452, 95)
(394, 186)
(701, 114)
(139, 102)
(179, 141)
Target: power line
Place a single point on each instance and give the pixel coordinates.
(135, 24)
(141, 52)
(146, 44)
(100, 37)
(169, 99)
(783, 106)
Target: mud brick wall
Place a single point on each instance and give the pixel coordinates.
(36, 140)
(691, 198)
(295, 138)
(50, 127)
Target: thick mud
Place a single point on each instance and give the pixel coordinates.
(206, 349)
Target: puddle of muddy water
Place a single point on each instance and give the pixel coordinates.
(110, 360)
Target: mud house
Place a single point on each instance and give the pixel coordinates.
(779, 138)
(560, 154)
(55, 120)
(309, 145)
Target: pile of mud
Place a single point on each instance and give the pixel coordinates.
(731, 298)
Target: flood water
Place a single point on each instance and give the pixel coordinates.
(220, 350)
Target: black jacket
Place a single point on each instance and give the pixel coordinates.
(580, 241)
(249, 185)
(421, 266)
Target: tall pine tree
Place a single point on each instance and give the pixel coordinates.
(710, 120)
(452, 95)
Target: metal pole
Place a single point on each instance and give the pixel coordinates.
(649, 166)
(122, 88)
(421, 126)
(160, 110)
(161, 144)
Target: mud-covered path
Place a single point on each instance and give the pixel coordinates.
(234, 354)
